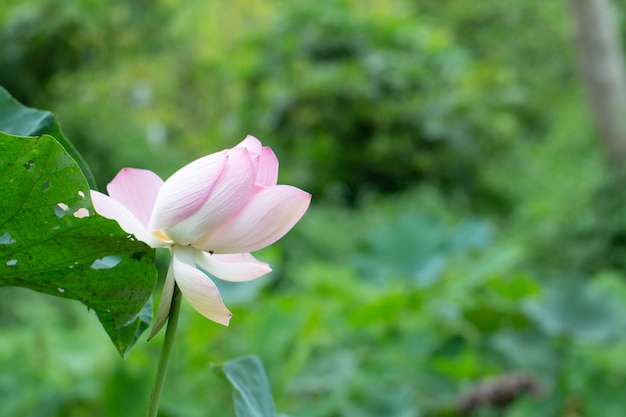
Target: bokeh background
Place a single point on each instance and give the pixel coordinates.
(465, 251)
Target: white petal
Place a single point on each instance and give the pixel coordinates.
(114, 210)
(233, 267)
(269, 215)
(186, 191)
(165, 304)
(197, 288)
(231, 192)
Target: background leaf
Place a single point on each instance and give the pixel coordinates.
(19, 120)
(251, 390)
(574, 308)
(52, 241)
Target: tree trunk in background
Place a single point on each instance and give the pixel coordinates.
(601, 62)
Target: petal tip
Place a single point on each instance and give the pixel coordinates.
(251, 143)
(225, 320)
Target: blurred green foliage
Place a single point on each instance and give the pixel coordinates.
(464, 226)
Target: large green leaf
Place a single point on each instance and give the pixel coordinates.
(251, 390)
(52, 241)
(19, 120)
(577, 309)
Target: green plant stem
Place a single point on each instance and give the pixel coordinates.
(170, 332)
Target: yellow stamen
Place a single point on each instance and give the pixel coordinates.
(161, 235)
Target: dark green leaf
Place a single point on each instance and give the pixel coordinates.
(52, 241)
(251, 390)
(19, 120)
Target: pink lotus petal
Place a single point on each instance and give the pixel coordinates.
(165, 304)
(197, 288)
(239, 267)
(137, 190)
(114, 210)
(267, 174)
(186, 191)
(269, 215)
(230, 193)
(252, 144)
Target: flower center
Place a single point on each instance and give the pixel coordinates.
(159, 234)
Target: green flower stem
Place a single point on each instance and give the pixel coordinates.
(170, 332)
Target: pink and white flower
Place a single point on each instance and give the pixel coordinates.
(213, 212)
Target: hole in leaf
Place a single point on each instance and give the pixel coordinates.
(81, 212)
(61, 290)
(106, 263)
(81, 194)
(12, 262)
(45, 186)
(59, 210)
(6, 239)
(137, 256)
(28, 165)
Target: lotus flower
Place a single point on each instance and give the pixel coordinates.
(213, 212)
